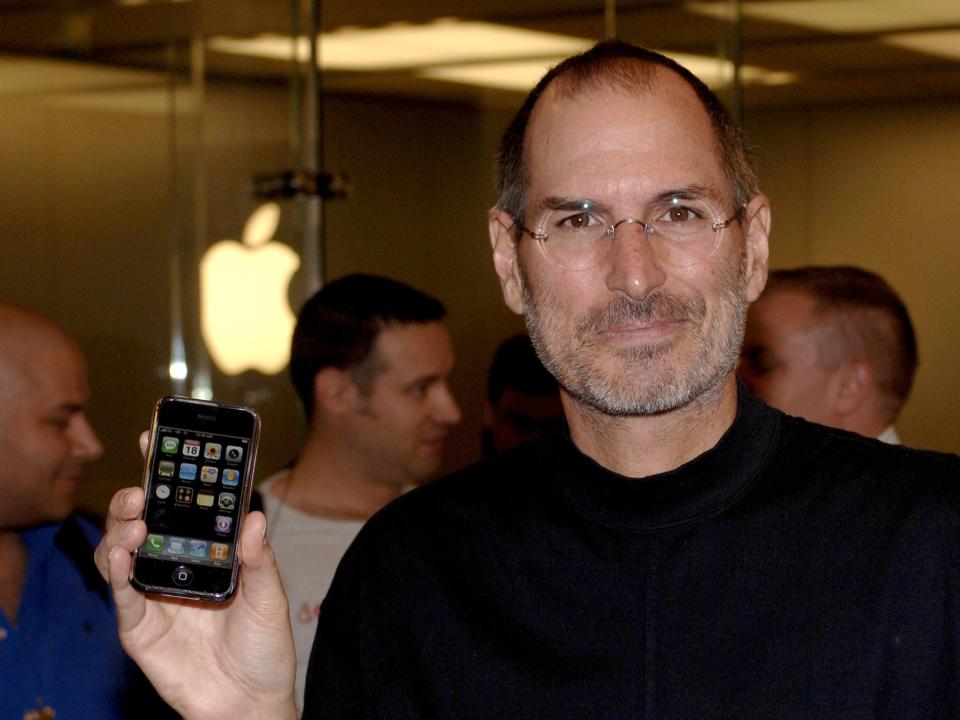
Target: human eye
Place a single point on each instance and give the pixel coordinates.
(419, 389)
(579, 221)
(683, 211)
(682, 217)
(58, 421)
(680, 214)
(579, 224)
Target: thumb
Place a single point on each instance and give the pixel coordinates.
(261, 586)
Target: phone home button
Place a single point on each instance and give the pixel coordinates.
(183, 576)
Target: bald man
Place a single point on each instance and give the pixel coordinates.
(59, 649)
(833, 345)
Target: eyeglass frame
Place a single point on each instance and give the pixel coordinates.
(611, 229)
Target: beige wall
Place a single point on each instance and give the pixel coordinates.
(878, 186)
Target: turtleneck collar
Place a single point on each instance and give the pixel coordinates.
(702, 487)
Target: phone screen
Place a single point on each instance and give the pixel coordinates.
(199, 472)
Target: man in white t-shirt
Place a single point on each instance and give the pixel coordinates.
(833, 345)
(370, 359)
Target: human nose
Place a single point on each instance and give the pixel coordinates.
(634, 268)
(86, 444)
(445, 408)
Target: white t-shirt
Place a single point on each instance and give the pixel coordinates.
(308, 550)
(889, 436)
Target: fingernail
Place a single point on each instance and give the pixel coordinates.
(125, 498)
(264, 537)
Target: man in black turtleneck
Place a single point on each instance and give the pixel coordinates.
(683, 552)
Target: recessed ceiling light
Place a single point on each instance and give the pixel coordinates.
(474, 53)
(399, 46)
(523, 75)
(941, 43)
(841, 16)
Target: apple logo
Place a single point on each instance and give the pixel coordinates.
(245, 315)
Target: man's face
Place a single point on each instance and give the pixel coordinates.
(45, 437)
(402, 423)
(633, 335)
(780, 360)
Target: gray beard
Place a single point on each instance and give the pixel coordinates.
(642, 387)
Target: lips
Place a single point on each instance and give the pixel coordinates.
(71, 475)
(643, 331)
(434, 442)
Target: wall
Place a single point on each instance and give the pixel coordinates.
(878, 186)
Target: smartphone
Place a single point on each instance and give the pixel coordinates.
(197, 481)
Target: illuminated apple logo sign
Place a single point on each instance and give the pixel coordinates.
(245, 315)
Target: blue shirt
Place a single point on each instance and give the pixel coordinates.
(64, 651)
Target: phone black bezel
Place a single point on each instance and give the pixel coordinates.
(210, 584)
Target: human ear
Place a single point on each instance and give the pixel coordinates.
(333, 391)
(504, 245)
(756, 228)
(856, 382)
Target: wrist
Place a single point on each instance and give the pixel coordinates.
(285, 710)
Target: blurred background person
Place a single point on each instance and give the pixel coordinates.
(60, 653)
(370, 360)
(523, 401)
(833, 345)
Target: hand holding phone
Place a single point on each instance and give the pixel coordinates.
(207, 660)
(197, 482)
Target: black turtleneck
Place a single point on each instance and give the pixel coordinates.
(792, 571)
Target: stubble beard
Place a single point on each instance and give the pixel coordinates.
(648, 379)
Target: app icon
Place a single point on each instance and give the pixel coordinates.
(208, 474)
(191, 448)
(231, 477)
(198, 548)
(205, 499)
(162, 491)
(234, 453)
(169, 445)
(227, 501)
(188, 471)
(184, 495)
(176, 546)
(211, 451)
(220, 551)
(154, 543)
(166, 468)
(223, 523)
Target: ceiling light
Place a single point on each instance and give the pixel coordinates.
(523, 75)
(472, 53)
(944, 43)
(840, 16)
(405, 46)
(520, 76)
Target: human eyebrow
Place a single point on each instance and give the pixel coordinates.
(686, 192)
(67, 408)
(573, 204)
(61, 415)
